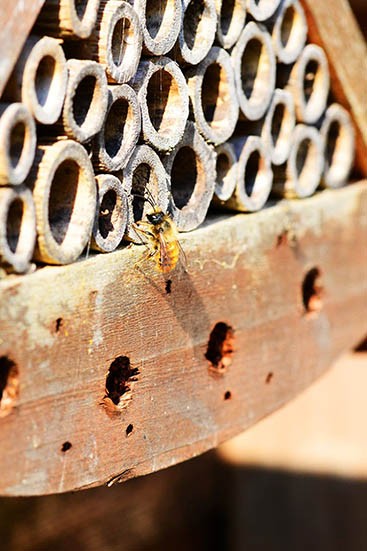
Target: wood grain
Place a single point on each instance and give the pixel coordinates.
(336, 30)
(63, 327)
(16, 20)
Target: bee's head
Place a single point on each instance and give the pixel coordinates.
(155, 217)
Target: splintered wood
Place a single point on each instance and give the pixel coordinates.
(183, 78)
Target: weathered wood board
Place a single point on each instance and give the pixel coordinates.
(64, 326)
(16, 20)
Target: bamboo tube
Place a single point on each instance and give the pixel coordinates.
(226, 172)
(160, 23)
(111, 213)
(72, 19)
(86, 99)
(309, 82)
(254, 68)
(231, 17)
(17, 228)
(164, 101)
(64, 192)
(212, 90)
(254, 174)
(39, 79)
(197, 31)
(17, 143)
(120, 131)
(278, 127)
(301, 175)
(116, 41)
(261, 10)
(143, 171)
(338, 137)
(191, 168)
(289, 31)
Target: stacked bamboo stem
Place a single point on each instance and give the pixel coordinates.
(193, 101)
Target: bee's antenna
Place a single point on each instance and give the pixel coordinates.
(147, 199)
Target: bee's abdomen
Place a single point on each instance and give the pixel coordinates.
(168, 261)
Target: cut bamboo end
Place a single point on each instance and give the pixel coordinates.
(197, 31)
(64, 192)
(337, 132)
(117, 40)
(111, 214)
(289, 32)
(254, 65)
(17, 143)
(144, 171)
(72, 19)
(212, 91)
(39, 79)
(301, 175)
(231, 18)
(86, 99)
(17, 228)
(160, 23)
(278, 127)
(164, 101)
(261, 10)
(121, 129)
(191, 167)
(226, 172)
(254, 175)
(310, 83)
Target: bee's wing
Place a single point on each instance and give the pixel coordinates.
(183, 257)
(164, 256)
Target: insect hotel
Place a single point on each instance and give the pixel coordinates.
(182, 225)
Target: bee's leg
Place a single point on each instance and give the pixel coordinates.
(148, 242)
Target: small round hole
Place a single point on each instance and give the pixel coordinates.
(269, 377)
(58, 324)
(168, 286)
(66, 446)
(227, 395)
(312, 291)
(129, 429)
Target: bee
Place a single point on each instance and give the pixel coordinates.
(159, 233)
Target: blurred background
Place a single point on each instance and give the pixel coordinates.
(295, 481)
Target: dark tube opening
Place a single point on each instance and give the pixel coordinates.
(115, 125)
(62, 198)
(184, 176)
(106, 212)
(44, 77)
(14, 223)
(192, 18)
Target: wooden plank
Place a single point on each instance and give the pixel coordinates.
(16, 21)
(63, 327)
(333, 26)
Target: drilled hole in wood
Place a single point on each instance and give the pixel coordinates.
(119, 377)
(168, 286)
(269, 377)
(312, 291)
(129, 429)
(66, 446)
(220, 347)
(58, 324)
(9, 385)
(227, 395)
